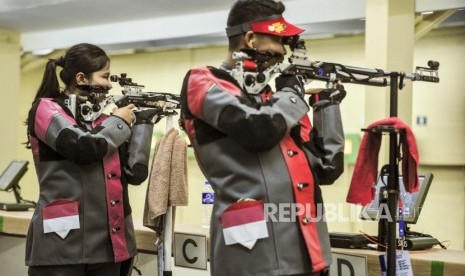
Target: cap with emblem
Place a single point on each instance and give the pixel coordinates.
(273, 25)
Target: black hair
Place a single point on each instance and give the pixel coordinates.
(84, 57)
(244, 11)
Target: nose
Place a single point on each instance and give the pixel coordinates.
(281, 49)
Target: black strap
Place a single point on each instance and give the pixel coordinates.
(245, 27)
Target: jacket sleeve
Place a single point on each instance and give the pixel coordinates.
(213, 97)
(325, 149)
(58, 130)
(136, 167)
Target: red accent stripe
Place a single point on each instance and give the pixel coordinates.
(60, 208)
(44, 115)
(242, 214)
(201, 80)
(300, 172)
(46, 110)
(115, 213)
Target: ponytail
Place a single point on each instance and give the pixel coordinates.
(50, 87)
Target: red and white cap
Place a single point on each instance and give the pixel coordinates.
(273, 25)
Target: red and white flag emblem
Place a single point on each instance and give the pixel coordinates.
(244, 223)
(60, 217)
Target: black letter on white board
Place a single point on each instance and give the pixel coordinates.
(184, 245)
(340, 263)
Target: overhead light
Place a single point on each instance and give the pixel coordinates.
(116, 52)
(42, 52)
(427, 12)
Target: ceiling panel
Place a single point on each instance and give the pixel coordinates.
(137, 23)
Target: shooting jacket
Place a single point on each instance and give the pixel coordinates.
(264, 148)
(88, 166)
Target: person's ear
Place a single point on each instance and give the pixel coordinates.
(250, 39)
(81, 78)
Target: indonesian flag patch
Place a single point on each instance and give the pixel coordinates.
(60, 217)
(244, 223)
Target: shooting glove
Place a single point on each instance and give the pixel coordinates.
(328, 97)
(294, 82)
(148, 116)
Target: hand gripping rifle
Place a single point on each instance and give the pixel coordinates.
(252, 74)
(165, 103)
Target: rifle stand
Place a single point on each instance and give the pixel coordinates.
(387, 228)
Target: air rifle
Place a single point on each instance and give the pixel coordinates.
(132, 93)
(253, 76)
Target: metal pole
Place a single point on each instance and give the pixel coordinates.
(393, 180)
